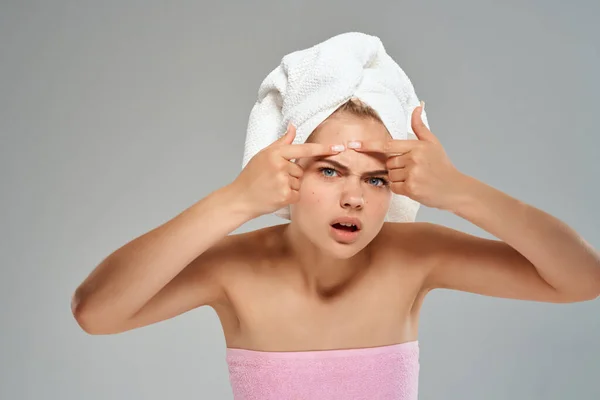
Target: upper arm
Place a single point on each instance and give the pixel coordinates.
(200, 283)
(483, 266)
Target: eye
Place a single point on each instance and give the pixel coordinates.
(327, 169)
(384, 182)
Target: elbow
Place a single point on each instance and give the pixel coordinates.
(596, 292)
(592, 291)
(82, 315)
(589, 293)
(588, 296)
(587, 289)
(87, 319)
(593, 283)
(585, 296)
(92, 325)
(86, 326)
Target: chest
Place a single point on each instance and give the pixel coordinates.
(275, 313)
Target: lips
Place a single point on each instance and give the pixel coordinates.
(344, 236)
(347, 220)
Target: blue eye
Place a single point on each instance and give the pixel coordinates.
(384, 182)
(326, 169)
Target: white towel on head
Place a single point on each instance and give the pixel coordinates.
(310, 84)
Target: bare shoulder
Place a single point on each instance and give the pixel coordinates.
(232, 268)
(232, 251)
(411, 242)
(407, 250)
(233, 258)
(426, 241)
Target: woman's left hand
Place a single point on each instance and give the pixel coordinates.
(420, 169)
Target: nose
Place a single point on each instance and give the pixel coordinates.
(352, 196)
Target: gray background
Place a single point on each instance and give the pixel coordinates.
(115, 116)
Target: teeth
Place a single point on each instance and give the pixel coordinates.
(350, 225)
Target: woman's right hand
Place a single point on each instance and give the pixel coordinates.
(270, 180)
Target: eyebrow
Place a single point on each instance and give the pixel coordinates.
(344, 168)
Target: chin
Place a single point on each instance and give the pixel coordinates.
(343, 251)
(346, 255)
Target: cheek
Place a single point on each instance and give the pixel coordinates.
(382, 203)
(315, 192)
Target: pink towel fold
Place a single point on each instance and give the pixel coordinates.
(375, 373)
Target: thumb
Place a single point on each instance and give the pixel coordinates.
(289, 135)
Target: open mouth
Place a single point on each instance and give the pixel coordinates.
(347, 228)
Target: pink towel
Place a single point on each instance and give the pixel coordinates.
(375, 373)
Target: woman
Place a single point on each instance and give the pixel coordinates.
(313, 309)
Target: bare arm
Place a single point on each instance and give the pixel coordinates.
(538, 257)
(164, 272)
(488, 267)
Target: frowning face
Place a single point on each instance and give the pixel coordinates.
(347, 184)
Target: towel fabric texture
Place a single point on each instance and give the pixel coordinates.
(376, 373)
(310, 84)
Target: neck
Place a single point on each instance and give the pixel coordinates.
(321, 271)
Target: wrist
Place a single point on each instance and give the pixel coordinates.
(464, 195)
(236, 201)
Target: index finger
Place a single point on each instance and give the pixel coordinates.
(388, 147)
(305, 150)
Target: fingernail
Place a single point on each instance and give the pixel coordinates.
(337, 147)
(354, 145)
(422, 105)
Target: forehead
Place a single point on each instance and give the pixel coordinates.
(343, 128)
